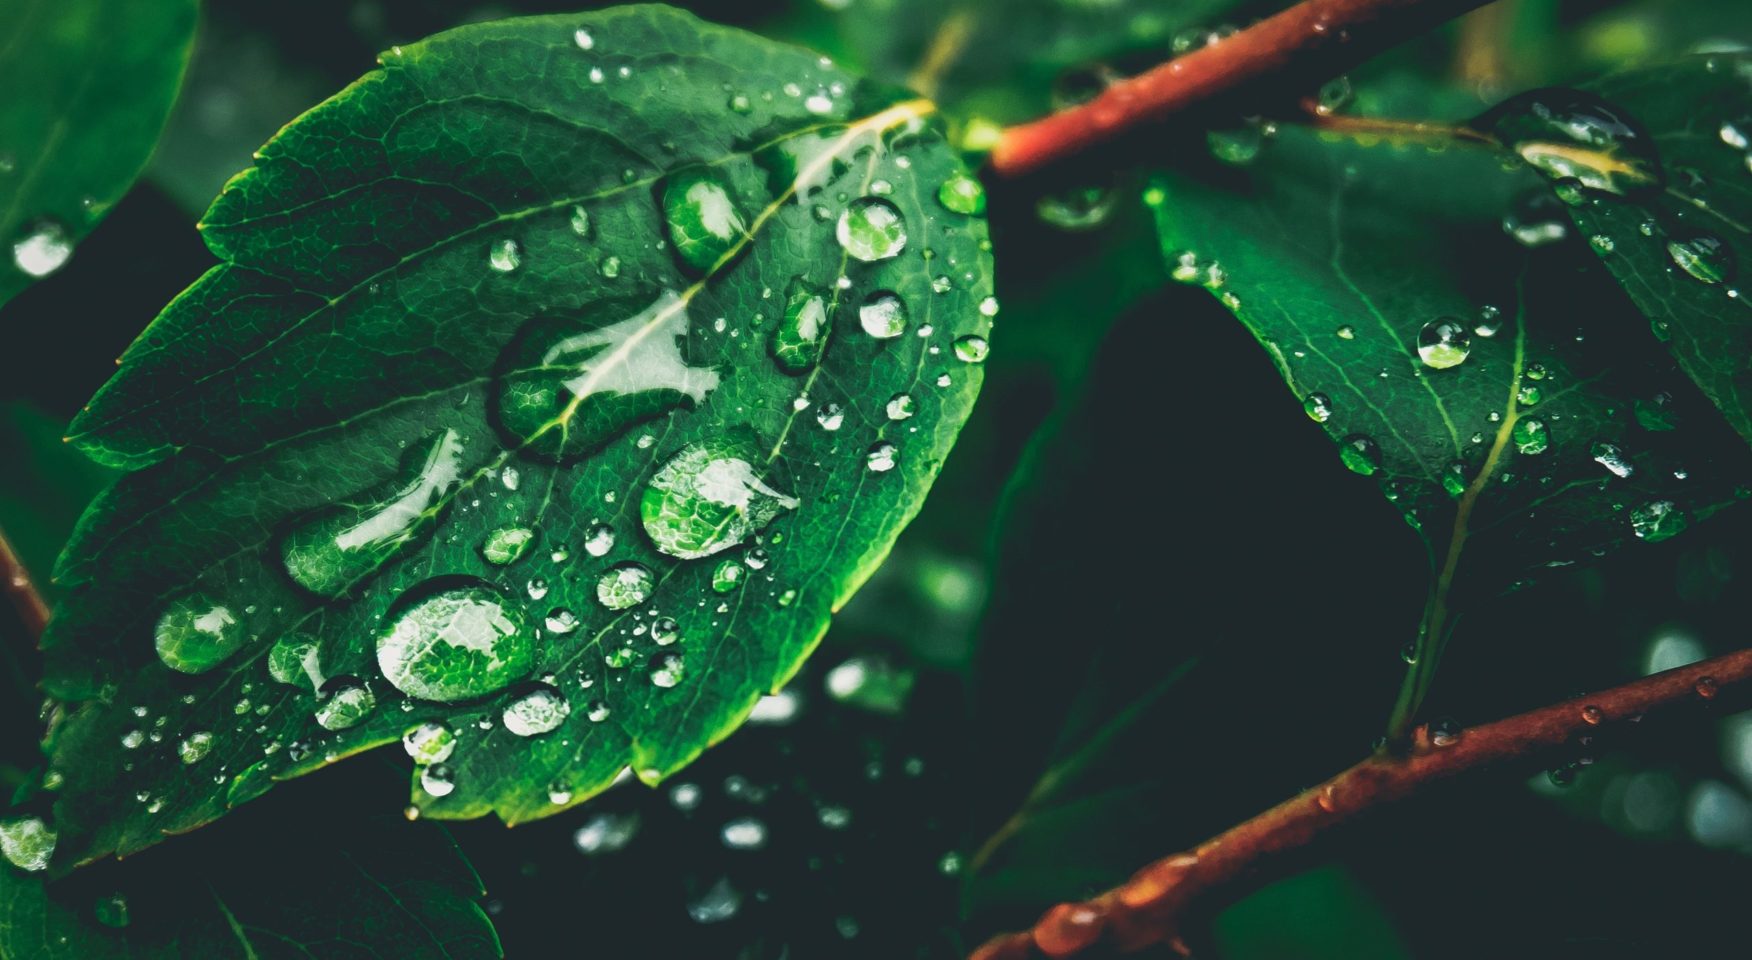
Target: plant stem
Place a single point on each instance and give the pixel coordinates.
(15, 580)
(1271, 63)
(1154, 906)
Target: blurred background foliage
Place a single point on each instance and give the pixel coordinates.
(1143, 602)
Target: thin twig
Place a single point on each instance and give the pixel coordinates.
(32, 609)
(1264, 66)
(1156, 904)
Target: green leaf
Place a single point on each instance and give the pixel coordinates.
(1493, 392)
(386, 890)
(453, 303)
(1678, 234)
(100, 76)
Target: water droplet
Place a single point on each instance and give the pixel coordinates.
(606, 833)
(566, 386)
(1703, 256)
(507, 544)
(883, 315)
(1611, 456)
(871, 229)
(27, 843)
(717, 904)
(1536, 219)
(294, 660)
(1318, 406)
(43, 250)
(560, 620)
(708, 498)
(1242, 144)
(744, 833)
(600, 540)
(581, 221)
(881, 457)
(624, 585)
(1346, 332)
(536, 588)
(1737, 133)
(430, 742)
(1573, 136)
(335, 549)
(972, 348)
(596, 710)
(349, 703)
(1333, 96)
(1444, 342)
(1592, 715)
(830, 416)
(1658, 520)
(1360, 454)
(665, 631)
(456, 644)
(901, 407)
(195, 634)
(798, 338)
(1530, 436)
(438, 780)
(504, 255)
(728, 576)
(538, 711)
(667, 669)
(1444, 732)
(194, 747)
(962, 194)
(1706, 687)
(1080, 208)
(705, 220)
(583, 39)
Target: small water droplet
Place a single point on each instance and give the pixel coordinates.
(438, 780)
(1530, 436)
(600, 540)
(347, 703)
(830, 416)
(1658, 520)
(1360, 454)
(27, 843)
(507, 544)
(624, 585)
(728, 576)
(704, 217)
(195, 747)
(1611, 456)
(43, 250)
(1318, 406)
(871, 229)
(667, 669)
(536, 712)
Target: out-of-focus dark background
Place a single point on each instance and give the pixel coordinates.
(1139, 513)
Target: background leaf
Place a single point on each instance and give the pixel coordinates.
(101, 76)
(431, 252)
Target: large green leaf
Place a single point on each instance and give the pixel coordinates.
(1506, 400)
(1658, 164)
(378, 889)
(378, 452)
(89, 84)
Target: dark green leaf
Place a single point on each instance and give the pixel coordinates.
(338, 431)
(89, 84)
(1678, 235)
(385, 889)
(1493, 392)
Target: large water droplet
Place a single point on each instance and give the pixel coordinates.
(43, 250)
(349, 703)
(1444, 343)
(1704, 256)
(337, 548)
(798, 337)
(538, 711)
(566, 386)
(962, 194)
(624, 585)
(507, 544)
(438, 780)
(883, 315)
(430, 742)
(1569, 135)
(455, 644)
(196, 634)
(705, 221)
(709, 497)
(1658, 520)
(27, 843)
(871, 228)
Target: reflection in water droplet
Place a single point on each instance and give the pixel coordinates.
(1318, 406)
(294, 660)
(43, 250)
(1704, 256)
(195, 634)
(901, 406)
(1611, 456)
(456, 644)
(560, 620)
(1530, 436)
(709, 497)
(430, 742)
(624, 585)
(27, 843)
(536, 712)
(962, 194)
(1360, 453)
(565, 386)
(600, 540)
(881, 457)
(1569, 135)
(972, 348)
(871, 229)
(667, 669)
(506, 544)
(581, 221)
(1444, 343)
(728, 576)
(798, 338)
(349, 703)
(883, 315)
(665, 631)
(830, 416)
(704, 219)
(195, 747)
(339, 547)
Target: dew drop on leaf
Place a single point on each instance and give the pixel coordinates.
(704, 218)
(194, 747)
(1611, 456)
(962, 194)
(196, 634)
(830, 416)
(1530, 436)
(504, 256)
(1318, 406)
(798, 337)
(43, 250)
(1704, 256)
(1569, 135)
(728, 576)
(438, 780)
(430, 742)
(506, 545)
(1658, 520)
(901, 406)
(27, 843)
(294, 660)
(883, 315)
(536, 712)
(871, 229)
(881, 457)
(455, 644)
(667, 669)
(1444, 342)
(624, 585)
(972, 348)
(600, 540)
(1360, 454)
(709, 497)
(349, 703)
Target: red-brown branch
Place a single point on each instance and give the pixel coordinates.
(1153, 906)
(1268, 64)
(15, 580)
